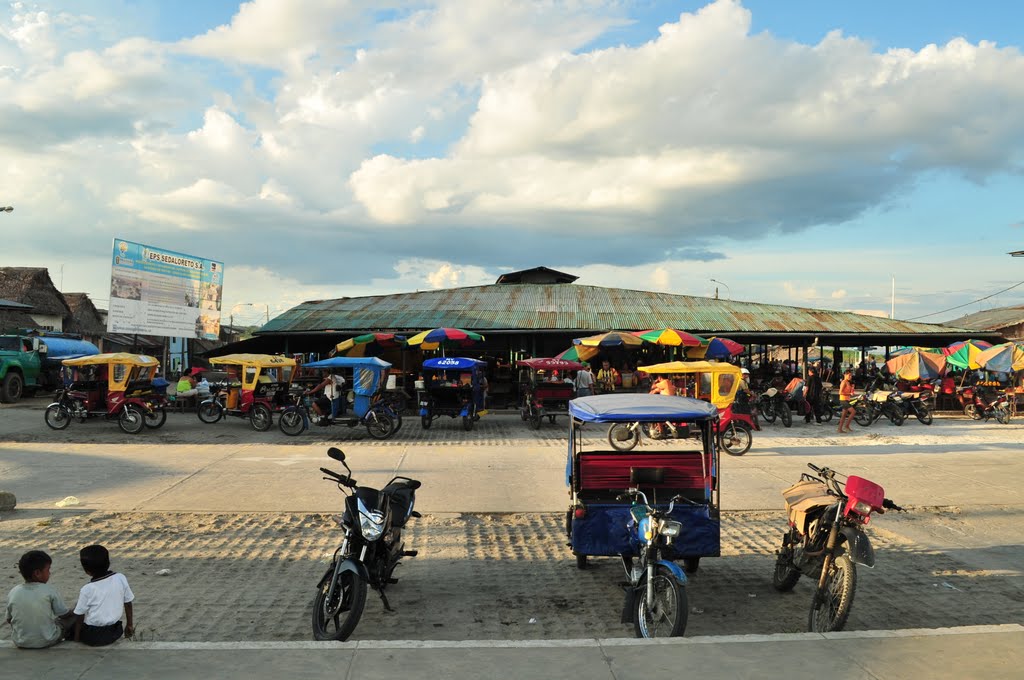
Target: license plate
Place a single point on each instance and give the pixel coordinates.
(424, 403)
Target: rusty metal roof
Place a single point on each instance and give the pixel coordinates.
(543, 307)
(991, 319)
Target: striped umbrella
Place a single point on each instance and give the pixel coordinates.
(369, 344)
(917, 365)
(716, 348)
(964, 354)
(671, 337)
(610, 339)
(444, 337)
(1005, 358)
(578, 353)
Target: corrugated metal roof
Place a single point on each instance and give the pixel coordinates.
(574, 307)
(991, 319)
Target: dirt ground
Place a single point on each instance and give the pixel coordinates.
(506, 577)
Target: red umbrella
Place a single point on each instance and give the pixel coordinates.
(196, 370)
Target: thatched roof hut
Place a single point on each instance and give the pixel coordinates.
(85, 318)
(33, 286)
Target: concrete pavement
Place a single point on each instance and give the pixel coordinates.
(990, 652)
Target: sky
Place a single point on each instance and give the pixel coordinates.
(801, 153)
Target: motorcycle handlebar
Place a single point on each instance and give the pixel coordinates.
(889, 505)
(344, 480)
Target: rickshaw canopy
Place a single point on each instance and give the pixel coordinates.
(628, 408)
(114, 358)
(256, 360)
(349, 362)
(550, 364)
(717, 382)
(366, 377)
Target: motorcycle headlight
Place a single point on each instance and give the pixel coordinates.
(862, 508)
(670, 528)
(371, 522)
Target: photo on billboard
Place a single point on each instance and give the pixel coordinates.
(161, 292)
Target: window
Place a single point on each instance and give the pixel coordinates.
(725, 383)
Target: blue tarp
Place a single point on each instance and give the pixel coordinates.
(66, 348)
(606, 529)
(348, 362)
(628, 408)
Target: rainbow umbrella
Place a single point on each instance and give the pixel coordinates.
(1005, 358)
(917, 365)
(578, 353)
(670, 337)
(444, 337)
(964, 354)
(369, 344)
(716, 348)
(610, 339)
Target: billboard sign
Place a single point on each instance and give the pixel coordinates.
(161, 292)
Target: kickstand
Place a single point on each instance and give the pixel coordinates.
(384, 599)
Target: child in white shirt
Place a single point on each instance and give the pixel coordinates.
(103, 601)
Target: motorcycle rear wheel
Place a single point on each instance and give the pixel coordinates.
(209, 412)
(57, 417)
(622, 438)
(467, 423)
(767, 411)
(786, 414)
(862, 416)
(840, 586)
(924, 415)
(535, 422)
(381, 426)
(156, 419)
(349, 598)
(971, 411)
(1002, 415)
(736, 438)
(261, 418)
(667, 616)
(895, 417)
(131, 420)
(785, 575)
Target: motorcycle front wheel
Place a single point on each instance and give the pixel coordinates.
(1002, 415)
(336, 615)
(862, 416)
(381, 426)
(209, 412)
(156, 418)
(291, 422)
(924, 415)
(767, 411)
(736, 438)
(971, 411)
(623, 437)
(896, 416)
(831, 613)
(131, 421)
(57, 417)
(261, 418)
(786, 414)
(666, 615)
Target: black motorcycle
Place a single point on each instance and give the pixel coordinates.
(772, 404)
(826, 539)
(917, 405)
(868, 408)
(368, 554)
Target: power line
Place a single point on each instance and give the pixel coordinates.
(1000, 292)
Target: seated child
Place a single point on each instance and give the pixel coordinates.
(37, 614)
(102, 601)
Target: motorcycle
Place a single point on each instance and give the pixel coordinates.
(826, 541)
(626, 436)
(772, 404)
(982, 404)
(656, 602)
(871, 406)
(371, 549)
(915, 404)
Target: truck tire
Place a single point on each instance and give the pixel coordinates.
(12, 388)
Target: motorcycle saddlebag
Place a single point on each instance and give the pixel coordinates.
(802, 498)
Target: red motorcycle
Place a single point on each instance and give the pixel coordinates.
(827, 515)
(981, 403)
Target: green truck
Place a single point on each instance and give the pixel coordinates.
(29, 364)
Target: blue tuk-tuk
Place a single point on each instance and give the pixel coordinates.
(369, 376)
(453, 387)
(684, 469)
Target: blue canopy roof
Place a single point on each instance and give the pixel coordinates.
(348, 362)
(455, 363)
(627, 408)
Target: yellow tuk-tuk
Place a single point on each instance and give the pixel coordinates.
(717, 383)
(114, 385)
(260, 387)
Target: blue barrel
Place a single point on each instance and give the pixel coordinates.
(65, 348)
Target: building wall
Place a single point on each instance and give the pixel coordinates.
(49, 322)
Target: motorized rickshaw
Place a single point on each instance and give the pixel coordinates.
(113, 386)
(369, 376)
(717, 383)
(678, 483)
(546, 397)
(453, 387)
(261, 388)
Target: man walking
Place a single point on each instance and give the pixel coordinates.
(812, 394)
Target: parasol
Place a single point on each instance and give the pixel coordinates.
(964, 354)
(671, 337)
(917, 365)
(444, 337)
(1005, 358)
(610, 339)
(369, 344)
(578, 353)
(716, 348)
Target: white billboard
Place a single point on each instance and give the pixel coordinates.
(161, 292)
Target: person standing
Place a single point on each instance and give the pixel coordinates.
(584, 381)
(607, 377)
(813, 392)
(845, 393)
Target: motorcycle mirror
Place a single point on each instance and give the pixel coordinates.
(337, 454)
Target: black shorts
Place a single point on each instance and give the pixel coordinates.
(324, 404)
(98, 636)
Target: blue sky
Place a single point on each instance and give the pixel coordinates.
(802, 152)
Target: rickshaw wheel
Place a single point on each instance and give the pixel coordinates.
(535, 422)
(209, 412)
(130, 420)
(667, 617)
(57, 417)
(380, 427)
(261, 418)
(291, 422)
(425, 422)
(156, 419)
(467, 423)
(622, 438)
(581, 561)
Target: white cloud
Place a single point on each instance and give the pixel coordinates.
(838, 294)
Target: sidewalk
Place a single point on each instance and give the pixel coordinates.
(990, 652)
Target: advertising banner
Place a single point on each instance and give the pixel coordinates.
(161, 292)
